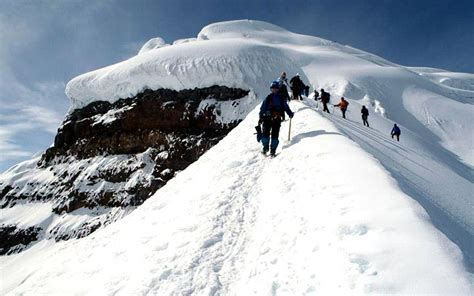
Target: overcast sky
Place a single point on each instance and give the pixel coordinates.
(44, 44)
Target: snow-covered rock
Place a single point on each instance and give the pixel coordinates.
(108, 159)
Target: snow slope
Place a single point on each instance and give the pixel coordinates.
(338, 211)
(250, 54)
(306, 222)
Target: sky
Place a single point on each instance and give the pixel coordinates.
(46, 43)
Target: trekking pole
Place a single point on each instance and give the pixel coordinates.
(289, 131)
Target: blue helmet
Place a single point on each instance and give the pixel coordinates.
(275, 84)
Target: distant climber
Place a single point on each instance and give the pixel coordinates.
(325, 97)
(272, 112)
(343, 106)
(365, 114)
(297, 86)
(396, 132)
(316, 94)
(283, 82)
(306, 90)
(282, 79)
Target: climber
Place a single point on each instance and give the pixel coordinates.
(283, 82)
(282, 79)
(316, 94)
(272, 112)
(365, 114)
(297, 87)
(306, 90)
(325, 97)
(396, 132)
(343, 106)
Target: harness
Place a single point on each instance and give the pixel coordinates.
(272, 113)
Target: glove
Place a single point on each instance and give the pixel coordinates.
(291, 115)
(260, 121)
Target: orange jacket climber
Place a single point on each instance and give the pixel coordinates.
(342, 104)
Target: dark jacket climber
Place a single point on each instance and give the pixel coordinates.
(283, 82)
(325, 97)
(365, 114)
(306, 90)
(272, 112)
(296, 86)
(396, 132)
(343, 106)
(316, 95)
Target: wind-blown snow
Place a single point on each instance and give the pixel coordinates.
(153, 43)
(323, 217)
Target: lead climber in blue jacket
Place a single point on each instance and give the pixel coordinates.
(272, 112)
(396, 132)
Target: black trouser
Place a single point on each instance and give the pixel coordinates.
(343, 112)
(364, 119)
(396, 135)
(325, 107)
(271, 126)
(296, 93)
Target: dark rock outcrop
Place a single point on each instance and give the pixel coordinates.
(116, 155)
(14, 239)
(142, 122)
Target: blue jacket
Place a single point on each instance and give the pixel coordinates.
(274, 105)
(396, 130)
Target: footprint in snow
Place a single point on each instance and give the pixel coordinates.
(162, 247)
(363, 265)
(234, 164)
(345, 230)
(189, 228)
(212, 240)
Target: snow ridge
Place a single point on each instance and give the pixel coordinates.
(305, 222)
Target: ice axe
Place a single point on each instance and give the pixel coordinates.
(289, 131)
(259, 133)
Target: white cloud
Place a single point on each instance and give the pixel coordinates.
(29, 118)
(8, 149)
(32, 99)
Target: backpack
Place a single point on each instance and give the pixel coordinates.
(270, 112)
(284, 92)
(325, 97)
(306, 90)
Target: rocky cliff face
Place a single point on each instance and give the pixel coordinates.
(108, 158)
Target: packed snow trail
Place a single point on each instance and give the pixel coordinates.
(442, 185)
(323, 217)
